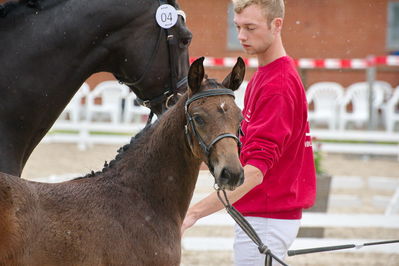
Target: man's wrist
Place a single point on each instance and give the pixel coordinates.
(192, 213)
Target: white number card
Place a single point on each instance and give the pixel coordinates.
(166, 16)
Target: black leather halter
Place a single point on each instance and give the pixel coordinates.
(174, 84)
(207, 149)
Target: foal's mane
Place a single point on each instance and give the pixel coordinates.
(135, 141)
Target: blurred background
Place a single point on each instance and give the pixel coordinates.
(317, 29)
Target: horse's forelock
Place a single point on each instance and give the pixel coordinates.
(211, 83)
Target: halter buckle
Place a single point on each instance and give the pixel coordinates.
(146, 103)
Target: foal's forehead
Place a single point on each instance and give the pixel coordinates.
(211, 84)
(223, 103)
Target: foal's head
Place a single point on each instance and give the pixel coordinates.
(213, 123)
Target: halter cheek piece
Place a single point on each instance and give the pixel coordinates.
(174, 84)
(207, 149)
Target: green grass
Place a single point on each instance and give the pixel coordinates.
(356, 141)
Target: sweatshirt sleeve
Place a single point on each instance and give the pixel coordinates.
(268, 132)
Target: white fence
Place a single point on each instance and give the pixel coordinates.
(358, 142)
(96, 116)
(388, 221)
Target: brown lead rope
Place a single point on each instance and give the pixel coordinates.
(248, 229)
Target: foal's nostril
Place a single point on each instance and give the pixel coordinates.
(225, 176)
(231, 178)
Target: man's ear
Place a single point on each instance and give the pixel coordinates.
(277, 25)
(196, 75)
(236, 76)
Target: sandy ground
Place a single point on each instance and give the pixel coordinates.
(58, 159)
(49, 159)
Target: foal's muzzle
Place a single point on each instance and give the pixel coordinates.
(230, 179)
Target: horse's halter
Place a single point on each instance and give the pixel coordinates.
(207, 149)
(174, 85)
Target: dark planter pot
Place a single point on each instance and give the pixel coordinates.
(321, 205)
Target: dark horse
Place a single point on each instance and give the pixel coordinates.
(50, 47)
(131, 212)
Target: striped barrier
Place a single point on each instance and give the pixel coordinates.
(308, 63)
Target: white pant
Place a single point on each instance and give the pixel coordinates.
(276, 234)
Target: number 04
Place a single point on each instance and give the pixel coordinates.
(165, 17)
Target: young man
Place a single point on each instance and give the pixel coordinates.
(276, 154)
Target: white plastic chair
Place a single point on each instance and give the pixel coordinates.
(386, 88)
(133, 112)
(387, 92)
(75, 109)
(392, 111)
(358, 95)
(325, 97)
(111, 94)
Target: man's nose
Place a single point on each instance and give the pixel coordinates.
(241, 35)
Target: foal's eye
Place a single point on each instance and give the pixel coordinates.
(198, 120)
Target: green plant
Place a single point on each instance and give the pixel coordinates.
(318, 156)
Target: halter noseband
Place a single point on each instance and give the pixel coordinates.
(174, 83)
(207, 149)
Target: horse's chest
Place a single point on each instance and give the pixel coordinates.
(143, 245)
(158, 254)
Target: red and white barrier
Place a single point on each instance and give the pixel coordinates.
(390, 60)
(308, 63)
(332, 63)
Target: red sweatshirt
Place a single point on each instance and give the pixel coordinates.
(277, 142)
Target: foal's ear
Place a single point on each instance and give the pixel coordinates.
(196, 75)
(236, 76)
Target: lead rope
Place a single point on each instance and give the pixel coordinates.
(150, 116)
(248, 229)
(332, 248)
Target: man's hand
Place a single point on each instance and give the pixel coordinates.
(212, 204)
(188, 221)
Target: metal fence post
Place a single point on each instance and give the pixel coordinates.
(370, 77)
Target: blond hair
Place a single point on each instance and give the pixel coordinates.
(272, 8)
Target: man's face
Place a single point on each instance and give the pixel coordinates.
(254, 33)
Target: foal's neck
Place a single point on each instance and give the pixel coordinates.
(162, 164)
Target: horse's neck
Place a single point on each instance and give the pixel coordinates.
(166, 169)
(68, 52)
(57, 59)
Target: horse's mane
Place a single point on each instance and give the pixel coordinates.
(8, 7)
(134, 142)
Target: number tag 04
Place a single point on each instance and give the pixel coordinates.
(166, 16)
